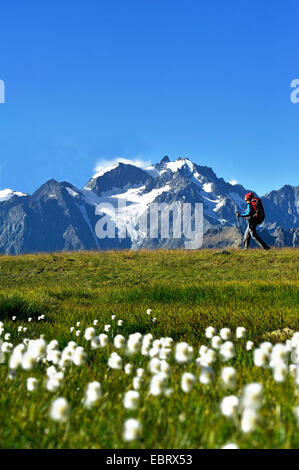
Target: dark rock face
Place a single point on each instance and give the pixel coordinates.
(118, 178)
(282, 207)
(59, 216)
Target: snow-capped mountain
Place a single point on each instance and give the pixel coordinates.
(6, 194)
(60, 216)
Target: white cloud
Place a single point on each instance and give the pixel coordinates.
(233, 182)
(104, 165)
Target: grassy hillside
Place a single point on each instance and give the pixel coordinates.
(186, 291)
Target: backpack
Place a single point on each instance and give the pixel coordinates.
(259, 215)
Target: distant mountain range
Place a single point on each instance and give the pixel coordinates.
(60, 216)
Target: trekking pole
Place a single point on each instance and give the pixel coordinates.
(238, 223)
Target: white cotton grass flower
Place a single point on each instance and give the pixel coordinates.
(60, 410)
(183, 352)
(7, 336)
(167, 342)
(266, 346)
(157, 384)
(187, 382)
(89, 333)
(78, 323)
(30, 319)
(208, 358)
(206, 375)
(120, 323)
(249, 345)
(54, 356)
(103, 340)
(137, 382)
(93, 394)
(227, 351)
(165, 353)
(260, 357)
(37, 347)
(147, 340)
(72, 329)
(210, 331)
(134, 343)
(115, 361)
(165, 367)
(229, 446)
(107, 328)
(249, 420)
(216, 342)
(119, 341)
(140, 372)
(52, 345)
(279, 353)
(203, 350)
(95, 322)
(6, 347)
(20, 348)
(280, 371)
(252, 396)
(79, 356)
(225, 333)
(154, 351)
(229, 406)
(131, 400)
(113, 317)
(145, 350)
(228, 377)
(51, 371)
(20, 328)
(132, 430)
(16, 357)
(157, 344)
(295, 340)
(55, 381)
(154, 365)
(240, 332)
(148, 312)
(128, 369)
(32, 384)
(14, 318)
(78, 332)
(95, 343)
(28, 361)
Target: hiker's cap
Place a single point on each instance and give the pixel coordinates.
(249, 196)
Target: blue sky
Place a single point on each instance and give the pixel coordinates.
(92, 80)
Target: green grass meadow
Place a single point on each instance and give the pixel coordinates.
(186, 291)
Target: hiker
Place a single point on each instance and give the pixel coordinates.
(254, 214)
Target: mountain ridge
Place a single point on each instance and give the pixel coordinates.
(59, 216)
